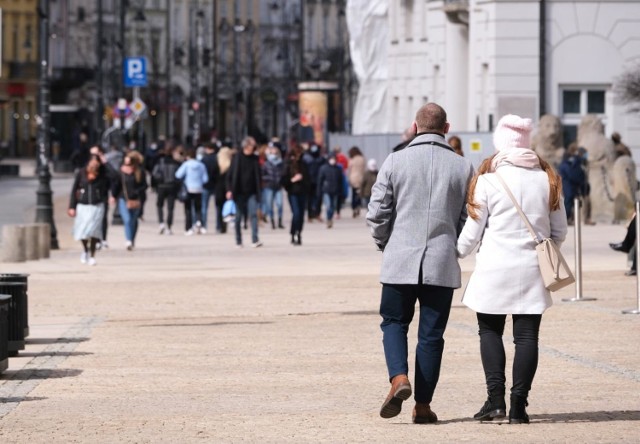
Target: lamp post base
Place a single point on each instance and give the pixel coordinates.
(44, 204)
(633, 311)
(579, 299)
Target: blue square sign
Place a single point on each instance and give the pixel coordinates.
(135, 71)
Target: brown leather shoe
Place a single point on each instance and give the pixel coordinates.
(400, 391)
(422, 414)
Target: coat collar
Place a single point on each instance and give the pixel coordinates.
(430, 139)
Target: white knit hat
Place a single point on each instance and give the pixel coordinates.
(512, 132)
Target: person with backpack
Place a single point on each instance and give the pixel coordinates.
(164, 176)
(330, 186)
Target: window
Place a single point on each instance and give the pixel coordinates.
(576, 103)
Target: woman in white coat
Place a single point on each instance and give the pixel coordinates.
(507, 277)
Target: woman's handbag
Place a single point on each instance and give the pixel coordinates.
(555, 272)
(229, 211)
(132, 204)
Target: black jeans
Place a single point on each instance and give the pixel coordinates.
(525, 361)
(168, 194)
(193, 203)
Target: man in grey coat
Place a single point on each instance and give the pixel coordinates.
(416, 212)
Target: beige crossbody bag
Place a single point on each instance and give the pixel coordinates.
(555, 272)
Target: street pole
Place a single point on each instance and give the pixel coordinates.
(193, 75)
(44, 203)
(167, 96)
(99, 76)
(123, 12)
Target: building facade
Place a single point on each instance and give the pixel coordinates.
(19, 80)
(482, 59)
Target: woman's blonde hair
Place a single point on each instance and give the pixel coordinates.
(555, 186)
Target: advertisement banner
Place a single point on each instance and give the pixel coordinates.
(313, 116)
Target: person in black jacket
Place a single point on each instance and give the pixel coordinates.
(167, 186)
(210, 161)
(330, 181)
(243, 186)
(297, 183)
(272, 180)
(127, 189)
(86, 204)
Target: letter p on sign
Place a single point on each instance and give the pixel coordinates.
(135, 72)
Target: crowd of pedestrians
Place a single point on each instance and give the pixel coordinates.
(258, 178)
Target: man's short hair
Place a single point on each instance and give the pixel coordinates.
(431, 117)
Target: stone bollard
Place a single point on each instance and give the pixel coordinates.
(13, 243)
(31, 242)
(44, 240)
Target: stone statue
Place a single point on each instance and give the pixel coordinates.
(613, 180)
(547, 141)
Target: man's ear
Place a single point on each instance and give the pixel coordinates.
(414, 128)
(446, 127)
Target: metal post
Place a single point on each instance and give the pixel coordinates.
(637, 309)
(577, 223)
(235, 79)
(44, 202)
(99, 76)
(167, 101)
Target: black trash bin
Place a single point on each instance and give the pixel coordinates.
(17, 307)
(5, 299)
(20, 277)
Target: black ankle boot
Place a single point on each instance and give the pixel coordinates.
(517, 411)
(299, 239)
(493, 408)
(280, 223)
(273, 224)
(293, 239)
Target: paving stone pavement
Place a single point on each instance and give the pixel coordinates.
(188, 339)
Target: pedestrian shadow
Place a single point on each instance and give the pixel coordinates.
(51, 353)
(208, 324)
(31, 374)
(598, 416)
(19, 399)
(44, 341)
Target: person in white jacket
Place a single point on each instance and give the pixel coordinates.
(507, 277)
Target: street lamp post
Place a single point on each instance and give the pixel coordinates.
(44, 203)
(237, 29)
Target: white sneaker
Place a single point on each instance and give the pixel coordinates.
(169, 232)
(92, 261)
(84, 257)
(161, 229)
(189, 232)
(104, 244)
(256, 244)
(129, 245)
(203, 230)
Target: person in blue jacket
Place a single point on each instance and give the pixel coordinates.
(573, 178)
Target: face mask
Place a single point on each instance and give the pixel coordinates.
(332, 161)
(272, 157)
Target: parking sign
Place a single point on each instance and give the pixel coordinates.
(135, 71)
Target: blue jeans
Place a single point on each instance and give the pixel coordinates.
(246, 205)
(397, 308)
(269, 196)
(297, 202)
(206, 197)
(330, 203)
(129, 219)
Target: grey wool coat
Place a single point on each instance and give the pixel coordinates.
(417, 210)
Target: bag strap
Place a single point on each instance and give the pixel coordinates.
(520, 212)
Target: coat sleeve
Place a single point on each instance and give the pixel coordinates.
(382, 205)
(558, 221)
(474, 229)
(463, 211)
(73, 199)
(181, 171)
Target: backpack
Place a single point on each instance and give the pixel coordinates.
(165, 173)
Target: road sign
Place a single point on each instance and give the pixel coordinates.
(138, 106)
(135, 71)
